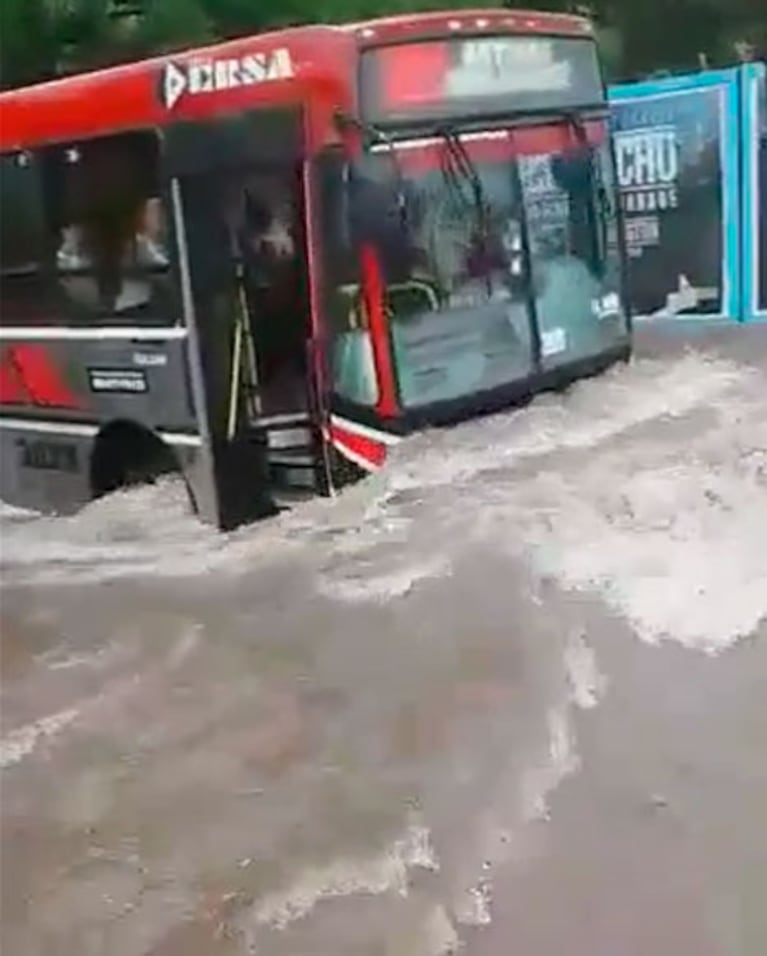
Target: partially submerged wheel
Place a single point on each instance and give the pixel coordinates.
(127, 454)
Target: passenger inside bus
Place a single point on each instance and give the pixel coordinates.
(275, 276)
(113, 232)
(140, 250)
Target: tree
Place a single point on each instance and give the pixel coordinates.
(40, 39)
(29, 42)
(169, 24)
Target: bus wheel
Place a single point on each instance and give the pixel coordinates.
(127, 454)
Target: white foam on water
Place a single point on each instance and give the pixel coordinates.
(464, 460)
(670, 532)
(141, 531)
(561, 760)
(673, 538)
(474, 905)
(120, 529)
(88, 711)
(382, 584)
(13, 513)
(594, 411)
(65, 657)
(151, 530)
(522, 800)
(73, 661)
(587, 683)
(19, 743)
(384, 873)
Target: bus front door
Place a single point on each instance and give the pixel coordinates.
(244, 269)
(274, 302)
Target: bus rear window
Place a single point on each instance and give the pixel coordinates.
(459, 77)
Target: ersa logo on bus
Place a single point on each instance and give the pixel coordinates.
(212, 76)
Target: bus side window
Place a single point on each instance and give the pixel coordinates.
(23, 241)
(110, 228)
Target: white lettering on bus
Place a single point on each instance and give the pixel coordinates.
(213, 76)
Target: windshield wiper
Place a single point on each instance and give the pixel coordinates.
(599, 206)
(344, 120)
(576, 124)
(458, 167)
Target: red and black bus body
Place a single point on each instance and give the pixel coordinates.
(446, 185)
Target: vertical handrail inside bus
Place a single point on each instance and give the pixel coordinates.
(243, 341)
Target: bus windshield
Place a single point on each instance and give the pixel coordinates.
(509, 235)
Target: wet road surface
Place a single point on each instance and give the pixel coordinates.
(509, 697)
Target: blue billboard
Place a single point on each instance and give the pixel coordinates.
(677, 145)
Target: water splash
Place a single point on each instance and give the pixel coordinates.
(150, 530)
(19, 743)
(388, 872)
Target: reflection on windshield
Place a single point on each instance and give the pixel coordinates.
(460, 319)
(574, 252)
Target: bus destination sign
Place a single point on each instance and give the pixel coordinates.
(507, 65)
(439, 78)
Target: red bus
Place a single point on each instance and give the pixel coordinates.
(262, 262)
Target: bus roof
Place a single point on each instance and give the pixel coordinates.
(281, 67)
(390, 29)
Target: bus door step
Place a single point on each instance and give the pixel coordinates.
(291, 450)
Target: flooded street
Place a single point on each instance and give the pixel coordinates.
(508, 697)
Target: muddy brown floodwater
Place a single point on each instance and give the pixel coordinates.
(509, 697)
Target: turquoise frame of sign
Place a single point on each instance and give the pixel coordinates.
(754, 76)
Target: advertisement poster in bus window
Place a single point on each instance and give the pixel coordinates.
(669, 157)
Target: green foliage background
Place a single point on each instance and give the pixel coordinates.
(40, 39)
